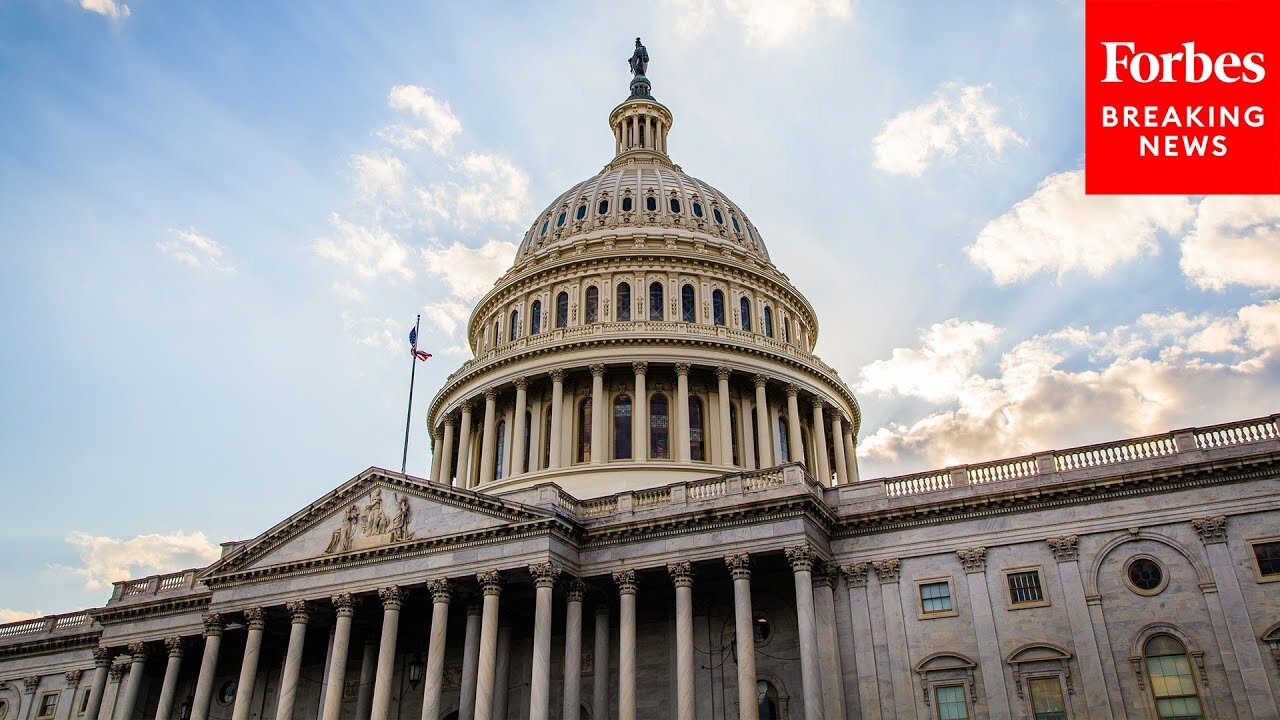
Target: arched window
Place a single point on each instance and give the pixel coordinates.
(687, 307)
(546, 440)
(626, 204)
(767, 697)
(515, 324)
(593, 305)
(659, 422)
(1173, 682)
(655, 301)
(651, 204)
(622, 428)
(562, 309)
(784, 442)
(675, 205)
(733, 434)
(744, 306)
(754, 437)
(535, 318)
(501, 456)
(545, 225)
(497, 331)
(623, 309)
(584, 430)
(528, 433)
(697, 437)
(786, 330)
(717, 307)
(733, 218)
(602, 208)
(582, 212)
(560, 219)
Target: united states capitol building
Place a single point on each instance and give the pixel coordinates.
(644, 502)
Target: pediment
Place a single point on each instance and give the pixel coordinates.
(375, 511)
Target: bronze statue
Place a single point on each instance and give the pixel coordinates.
(639, 60)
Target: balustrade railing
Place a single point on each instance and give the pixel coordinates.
(915, 484)
(154, 584)
(1116, 452)
(1237, 433)
(46, 624)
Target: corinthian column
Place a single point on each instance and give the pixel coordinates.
(825, 578)
(444, 471)
(255, 622)
(682, 576)
(795, 453)
(802, 558)
(573, 649)
(137, 665)
(488, 444)
(440, 595)
(680, 434)
(626, 580)
(101, 667)
(169, 688)
(837, 444)
(470, 660)
(213, 626)
(544, 578)
(557, 417)
(391, 597)
(600, 673)
(517, 423)
(640, 414)
(491, 582)
(464, 447)
(597, 413)
(851, 455)
(823, 468)
(726, 432)
(299, 614)
(744, 636)
(345, 608)
(762, 424)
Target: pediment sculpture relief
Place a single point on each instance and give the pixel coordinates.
(371, 526)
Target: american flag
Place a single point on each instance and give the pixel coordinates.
(413, 345)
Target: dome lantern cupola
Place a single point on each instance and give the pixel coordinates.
(640, 124)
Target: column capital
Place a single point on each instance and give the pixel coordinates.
(1065, 548)
(392, 597)
(31, 682)
(973, 560)
(490, 582)
(490, 394)
(102, 656)
(138, 651)
(682, 368)
(575, 590)
(681, 573)
(626, 580)
(344, 604)
(557, 375)
(739, 566)
(544, 574)
(521, 383)
(760, 380)
(723, 372)
(640, 367)
(1211, 529)
(801, 557)
(448, 421)
(819, 404)
(855, 574)
(597, 370)
(465, 407)
(213, 624)
(255, 618)
(825, 573)
(474, 608)
(73, 678)
(299, 611)
(887, 571)
(113, 675)
(792, 390)
(440, 590)
(175, 644)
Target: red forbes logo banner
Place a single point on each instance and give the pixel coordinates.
(1182, 96)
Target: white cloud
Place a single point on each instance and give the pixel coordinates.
(109, 8)
(948, 353)
(1060, 229)
(189, 247)
(8, 615)
(368, 252)
(469, 272)
(105, 560)
(954, 117)
(492, 190)
(379, 178)
(439, 126)
(376, 332)
(764, 22)
(1235, 241)
(449, 316)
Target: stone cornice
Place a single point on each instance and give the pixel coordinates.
(703, 519)
(46, 645)
(117, 614)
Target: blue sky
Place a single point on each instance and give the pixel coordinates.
(219, 219)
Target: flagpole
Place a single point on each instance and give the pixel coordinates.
(408, 420)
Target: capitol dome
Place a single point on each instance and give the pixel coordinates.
(641, 337)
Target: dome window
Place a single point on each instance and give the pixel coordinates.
(786, 330)
(697, 209)
(582, 211)
(624, 301)
(562, 310)
(768, 322)
(602, 208)
(651, 204)
(659, 424)
(515, 325)
(501, 459)
(745, 307)
(626, 204)
(715, 213)
(734, 219)
(655, 301)
(675, 205)
(560, 220)
(535, 318)
(697, 443)
(545, 224)
(687, 307)
(622, 428)
(593, 304)
(584, 430)
(717, 307)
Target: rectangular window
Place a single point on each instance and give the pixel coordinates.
(952, 704)
(1024, 587)
(1268, 556)
(48, 703)
(84, 701)
(935, 597)
(1047, 702)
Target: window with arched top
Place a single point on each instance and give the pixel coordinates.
(1171, 678)
(697, 435)
(733, 434)
(562, 310)
(659, 427)
(515, 324)
(560, 219)
(546, 439)
(593, 305)
(528, 434)
(584, 430)
(655, 301)
(769, 705)
(786, 330)
(675, 205)
(688, 308)
(602, 208)
(744, 308)
(767, 317)
(623, 307)
(535, 318)
(651, 204)
(717, 307)
(697, 209)
(497, 331)
(622, 428)
(715, 213)
(627, 204)
(784, 440)
(501, 458)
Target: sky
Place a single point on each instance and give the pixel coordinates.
(219, 220)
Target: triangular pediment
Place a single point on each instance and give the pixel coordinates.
(375, 511)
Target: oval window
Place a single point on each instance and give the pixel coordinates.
(735, 223)
(545, 223)
(675, 205)
(1145, 575)
(715, 213)
(582, 211)
(560, 220)
(603, 207)
(651, 204)
(626, 204)
(697, 209)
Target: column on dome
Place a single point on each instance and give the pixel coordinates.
(392, 597)
(573, 648)
(640, 414)
(470, 661)
(433, 676)
(255, 622)
(680, 436)
(557, 417)
(444, 469)
(101, 666)
(744, 635)
(762, 423)
(597, 414)
(823, 469)
(344, 607)
(802, 558)
(488, 444)
(850, 454)
(137, 666)
(536, 441)
(726, 432)
(172, 669)
(795, 449)
(600, 673)
(435, 455)
(746, 432)
(544, 578)
(825, 577)
(299, 614)
(626, 580)
(516, 447)
(464, 447)
(837, 444)
(486, 667)
(213, 625)
(682, 576)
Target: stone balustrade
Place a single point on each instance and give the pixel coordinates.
(47, 625)
(153, 585)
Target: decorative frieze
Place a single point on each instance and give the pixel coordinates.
(626, 580)
(300, 612)
(973, 560)
(855, 574)
(681, 573)
(544, 574)
(1065, 548)
(1211, 529)
(440, 590)
(801, 557)
(213, 624)
(392, 597)
(887, 571)
(739, 566)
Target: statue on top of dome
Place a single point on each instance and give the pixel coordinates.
(639, 60)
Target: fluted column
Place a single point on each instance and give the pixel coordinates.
(544, 577)
(825, 577)
(433, 679)
(802, 558)
(464, 449)
(837, 444)
(762, 424)
(744, 635)
(680, 433)
(626, 580)
(795, 449)
(444, 469)
(488, 444)
(682, 576)
(470, 660)
(137, 665)
(557, 418)
(573, 649)
(299, 614)
(435, 455)
(344, 607)
(169, 687)
(597, 413)
(640, 414)
(600, 673)
(255, 622)
(213, 626)
(115, 677)
(101, 666)
(823, 469)
(392, 597)
(517, 423)
(491, 583)
(726, 432)
(850, 455)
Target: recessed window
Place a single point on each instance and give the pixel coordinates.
(744, 309)
(1025, 588)
(697, 438)
(935, 597)
(623, 311)
(1047, 702)
(717, 307)
(584, 430)
(952, 704)
(626, 204)
(761, 628)
(593, 304)
(1267, 554)
(545, 223)
(535, 318)
(768, 322)
(501, 456)
(582, 211)
(602, 208)
(562, 309)
(48, 704)
(560, 219)
(675, 205)
(1145, 576)
(84, 705)
(622, 428)
(227, 693)
(715, 213)
(1172, 683)
(515, 324)
(659, 424)
(655, 301)
(651, 204)
(734, 218)
(4, 708)
(697, 209)
(687, 306)
(784, 439)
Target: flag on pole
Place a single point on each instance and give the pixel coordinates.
(413, 346)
